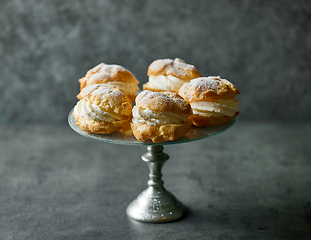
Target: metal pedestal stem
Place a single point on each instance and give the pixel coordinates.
(155, 204)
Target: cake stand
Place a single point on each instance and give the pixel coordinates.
(155, 204)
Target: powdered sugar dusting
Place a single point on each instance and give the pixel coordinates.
(181, 67)
(100, 91)
(106, 71)
(208, 83)
(204, 86)
(95, 69)
(104, 91)
(176, 67)
(166, 101)
(159, 64)
(146, 98)
(179, 60)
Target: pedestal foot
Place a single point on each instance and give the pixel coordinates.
(155, 204)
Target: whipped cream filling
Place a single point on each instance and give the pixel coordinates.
(168, 82)
(126, 87)
(221, 107)
(147, 116)
(92, 111)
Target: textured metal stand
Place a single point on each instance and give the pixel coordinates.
(155, 204)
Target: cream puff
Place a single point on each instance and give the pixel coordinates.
(160, 116)
(212, 99)
(102, 110)
(169, 75)
(112, 76)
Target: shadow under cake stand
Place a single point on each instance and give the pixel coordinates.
(155, 204)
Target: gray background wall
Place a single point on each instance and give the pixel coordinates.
(263, 47)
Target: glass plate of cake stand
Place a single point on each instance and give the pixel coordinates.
(155, 204)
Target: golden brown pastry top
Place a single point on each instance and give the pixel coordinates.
(163, 102)
(177, 68)
(104, 73)
(109, 100)
(87, 90)
(205, 88)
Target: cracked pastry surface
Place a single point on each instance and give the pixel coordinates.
(112, 76)
(102, 110)
(212, 99)
(169, 74)
(160, 116)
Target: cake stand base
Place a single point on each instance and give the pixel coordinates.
(155, 207)
(155, 204)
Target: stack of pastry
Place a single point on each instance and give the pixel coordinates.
(176, 97)
(112, 76)
(169, 75)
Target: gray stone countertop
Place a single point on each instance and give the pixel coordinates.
(250, 182)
